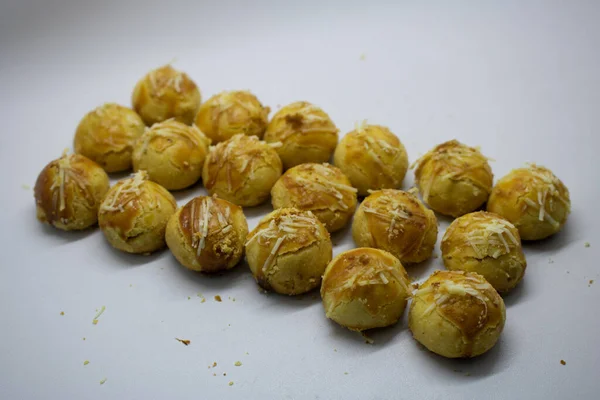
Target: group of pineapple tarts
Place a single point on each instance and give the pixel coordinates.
(454, 313)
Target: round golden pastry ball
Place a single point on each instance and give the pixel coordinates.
(365, 288)
(533, 199)
(320, 188)
(207, 234)
(306, 134)
(166, 93)
(69, 191)
(172, 153)
(487, 244)
(288, 251)
(134, 214)
(107, 134)
(454, 179)
(396, 221)
(241, 170)
(372, 157)
(456, 314)
(230, 113)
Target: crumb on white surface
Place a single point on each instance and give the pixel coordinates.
(98, 314)
(587, 244)
(86, 362)
(238, 364)
(368, 340)
(26, 187)
(103, 381)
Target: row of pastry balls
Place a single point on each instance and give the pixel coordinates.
(455, 179)
(301, 132)
(454, 313)
(290, 251)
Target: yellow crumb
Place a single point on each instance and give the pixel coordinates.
(214, 364)
(26, 187)
(238, 364)
(345, 373)
(184, 341)
(103, 381)
(62, 313)
(83, 338)
(218, 298)
(563, 362)
(230, 383)
(368, 340)
(587, 244)
(189, 297)
(203, 300)
(95, 320)
(86, 362)
(363, 57)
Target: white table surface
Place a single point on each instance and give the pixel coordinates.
(519, 78)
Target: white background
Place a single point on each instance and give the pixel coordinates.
(519, 78)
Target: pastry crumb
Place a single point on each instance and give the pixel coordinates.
(230, 383)
(238, 364)
(214, 364)
(98, 314)
(224, 373)
(587, 244)
(184, 341)
(415, 286)
(86, 362)
(103, 381)
(368, 340)
(345, 373)
(83, 338)
(62, 313)
(563, 362)
(218, 298)
(591, 281)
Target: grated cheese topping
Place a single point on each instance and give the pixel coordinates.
(201, 215)
(453, 159)
(125, 193)
(449, 289)
(323, 182)
(490, 236)
(170, 129)
(65, 175)
(389, 210)
(290, 226)
(377, 273)
(546, 192)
